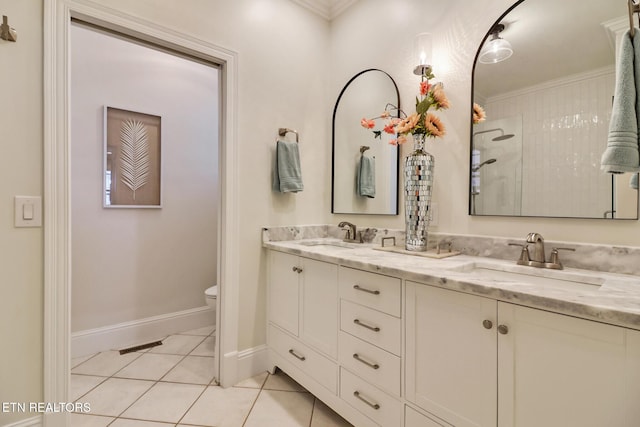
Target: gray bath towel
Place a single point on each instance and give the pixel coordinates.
(366, 180)
(287, 177)
(621, 154)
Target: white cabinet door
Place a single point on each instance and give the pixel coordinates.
(560, 371)
(451, 355)
(283, 290)
(319, 305)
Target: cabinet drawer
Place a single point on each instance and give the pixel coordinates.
(379, 367)
(373, 290)
(371, 401)
(312, 363)
(372, 326)
(413, 418)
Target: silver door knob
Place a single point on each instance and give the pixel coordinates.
(488, 324)
(503, 329)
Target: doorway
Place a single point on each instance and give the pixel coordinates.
(145, 123)
(57, 145)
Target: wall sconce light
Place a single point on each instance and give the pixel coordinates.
(422, 53)
(496, 49)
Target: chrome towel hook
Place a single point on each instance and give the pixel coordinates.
(633, 8)
(284, 131)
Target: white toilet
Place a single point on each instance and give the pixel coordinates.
(211, 297)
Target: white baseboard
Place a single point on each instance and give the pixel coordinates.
(240, 365)
(139, 332)
(29, 422)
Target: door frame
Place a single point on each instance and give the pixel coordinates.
(57, 186)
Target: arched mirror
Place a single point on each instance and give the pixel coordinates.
(548, 107)
(365, 95)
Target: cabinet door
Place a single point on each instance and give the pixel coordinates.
(319, 305)
(451, 355)
(560, 371)
(283, 290)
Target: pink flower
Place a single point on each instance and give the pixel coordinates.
(367, 124)
(390, 128)
(409, 123)
(439, 97)
(424, 87)
(393, 142)
(402, 139)
(385, 114)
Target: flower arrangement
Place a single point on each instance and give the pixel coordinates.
(421, 121)
(479, 115)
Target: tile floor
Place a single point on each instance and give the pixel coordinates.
(171, 385)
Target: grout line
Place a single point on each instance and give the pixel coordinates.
(313, 410)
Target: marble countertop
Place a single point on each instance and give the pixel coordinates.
(605, 297)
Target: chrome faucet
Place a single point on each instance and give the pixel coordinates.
(350, 229)
(538, 248)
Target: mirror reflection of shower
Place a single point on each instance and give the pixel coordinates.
(486, 162)
(503, 136)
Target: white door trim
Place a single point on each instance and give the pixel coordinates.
(57, 198)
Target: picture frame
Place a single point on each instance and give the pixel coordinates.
(132, 160)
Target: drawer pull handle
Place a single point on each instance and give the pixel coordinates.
(369, 364)
(296, 355)
(369, 291)
(373, 405)
(364, 325)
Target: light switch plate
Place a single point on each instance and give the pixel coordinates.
(25, 207)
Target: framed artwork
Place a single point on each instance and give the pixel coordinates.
(132, 159)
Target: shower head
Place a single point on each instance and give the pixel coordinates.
(486, 162)
(503, 137)
(500, 137)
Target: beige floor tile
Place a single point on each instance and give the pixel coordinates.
(192, 370)
(124, 422)
(79, 385)
(115, 395)
(253, 382)
(166, 402)
(323, 416)
(283, 382)
(221, 407)
(105, 364)
(84, 420)
(149, 366)
(205, 331)
(177, 344)
(78, 360)
(281, 409)
(206, 348)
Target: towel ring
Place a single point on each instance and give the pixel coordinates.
(285, 131)
(363, 148)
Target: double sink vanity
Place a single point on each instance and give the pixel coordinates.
(389, 339)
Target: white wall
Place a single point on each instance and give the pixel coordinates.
(129, 264)
(21, 262)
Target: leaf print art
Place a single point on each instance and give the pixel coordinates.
(135, 161)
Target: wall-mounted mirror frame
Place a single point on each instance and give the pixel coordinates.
(548, 172)
(366, 94)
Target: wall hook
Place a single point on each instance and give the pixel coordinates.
(6, 32)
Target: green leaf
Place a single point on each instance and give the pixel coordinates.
(423, 106)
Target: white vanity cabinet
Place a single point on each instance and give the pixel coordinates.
(473, 361)
(303, 315)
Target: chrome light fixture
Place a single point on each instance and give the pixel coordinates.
(422, 53)
(496, 49)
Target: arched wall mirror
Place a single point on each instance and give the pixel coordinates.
(365, 95)
(548, 108)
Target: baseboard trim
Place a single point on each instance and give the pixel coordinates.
(138, 332)
(33, 421)
(244, 364)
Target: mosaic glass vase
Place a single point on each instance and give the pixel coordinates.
(418, 185)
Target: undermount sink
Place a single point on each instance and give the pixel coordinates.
(325, 242)
(546, 278)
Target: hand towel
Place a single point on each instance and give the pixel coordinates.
(287, 177)
(366, 180)
(621, 154)
(633, 182)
